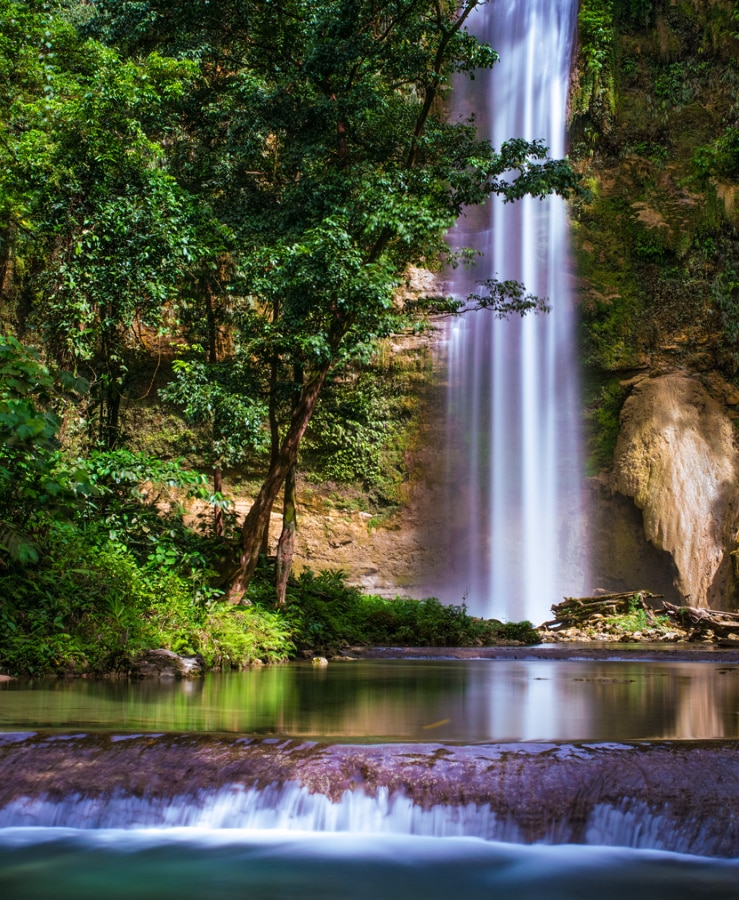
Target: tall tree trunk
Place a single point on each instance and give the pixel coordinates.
(286, 544)
(257, 518)
(218, 528)
(210, 319)
(274, 441)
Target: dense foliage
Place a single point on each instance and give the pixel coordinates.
(212, 208)
(205, 215)
(658, 238)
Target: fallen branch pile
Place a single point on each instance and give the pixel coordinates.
(698, 622)
(595, 612)
(575, 612)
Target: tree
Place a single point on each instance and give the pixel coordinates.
(220, 398)
(34, 480)
(318, 139)
(98, 233)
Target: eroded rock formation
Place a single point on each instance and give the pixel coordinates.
(676, 457)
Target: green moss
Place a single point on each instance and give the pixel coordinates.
(613, 300)
(151, 430)
(604, 402)
(365, 425)
(657, 243)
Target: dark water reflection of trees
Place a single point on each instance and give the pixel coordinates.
(440, 700)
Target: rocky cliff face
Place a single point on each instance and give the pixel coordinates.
(676, 457)
(657, 247)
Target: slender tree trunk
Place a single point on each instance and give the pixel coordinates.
(110, 389)
(274, 441)
(210, 318)
(258, 516)
(113, 417)
(212, 332)
(7, 240)
(286, 544)
(218, 528)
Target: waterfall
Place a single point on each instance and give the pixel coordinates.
(514, 486)
(290, 807)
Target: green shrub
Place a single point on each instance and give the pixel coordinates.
(80, 607)
(720, 158)
(89, 605)
(637, 619)
(234, 637)
(326, 614)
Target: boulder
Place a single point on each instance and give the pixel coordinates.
(165, 664)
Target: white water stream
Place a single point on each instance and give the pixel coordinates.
(290, 807)
(514, 481)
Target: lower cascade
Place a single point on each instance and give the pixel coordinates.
(291, 807)
(627, 795)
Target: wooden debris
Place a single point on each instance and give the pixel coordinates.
(698, 622)
(574, 612)
(588, 613)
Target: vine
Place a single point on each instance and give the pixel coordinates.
(594, 97)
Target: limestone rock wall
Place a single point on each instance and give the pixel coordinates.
(621, 558)
(676, 457)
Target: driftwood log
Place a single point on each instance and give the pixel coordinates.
(574, 612)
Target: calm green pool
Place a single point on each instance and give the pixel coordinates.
(403, 700)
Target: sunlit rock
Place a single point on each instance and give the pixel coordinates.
(677, 459)
(165, 664)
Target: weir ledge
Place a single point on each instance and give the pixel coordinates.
(678, 796)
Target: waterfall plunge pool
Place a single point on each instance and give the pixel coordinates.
(182, 865)
(517, 778)
(455, 701)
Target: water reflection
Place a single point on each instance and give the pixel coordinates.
(391, 700)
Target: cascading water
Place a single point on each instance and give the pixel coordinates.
(187, 817)
(514, 480)
(588, 793)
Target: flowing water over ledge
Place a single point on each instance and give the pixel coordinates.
(136, 808)
(666, 796)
